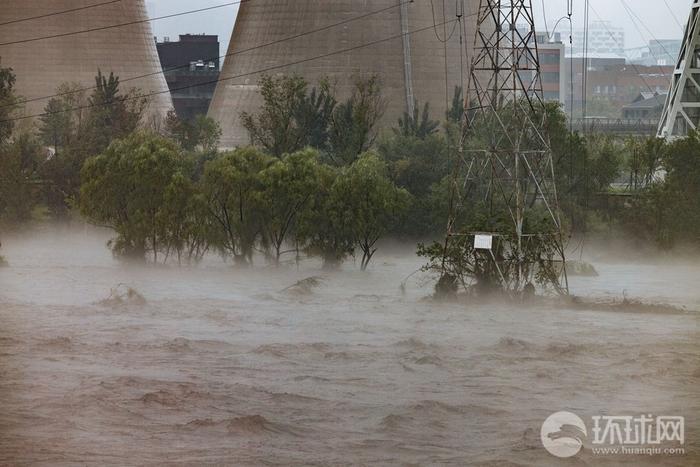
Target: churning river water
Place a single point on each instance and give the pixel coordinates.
(225, 367)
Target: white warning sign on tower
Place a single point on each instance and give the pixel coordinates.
(483, 242)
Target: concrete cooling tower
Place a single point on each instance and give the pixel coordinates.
(40, 66)
(410, 66)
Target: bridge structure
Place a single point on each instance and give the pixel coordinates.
(616, 126)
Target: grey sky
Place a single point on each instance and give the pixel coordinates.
(654, 15)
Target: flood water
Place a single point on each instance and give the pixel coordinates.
(226, 367)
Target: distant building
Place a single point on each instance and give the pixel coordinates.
(611, 83)
(603, 38)
(647, 106)
(660, 52)
(191, 67)
(553, 67)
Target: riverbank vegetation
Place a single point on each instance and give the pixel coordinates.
(320, 178)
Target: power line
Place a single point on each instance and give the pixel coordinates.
(675, 18)
(584, 71)
(445, 35)
(250, 49)
(57, 13)
(228, 78)
(120, 25)
(636, 69)
(632, 15)
(544, 15)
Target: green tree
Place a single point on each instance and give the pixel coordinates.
(112, 115)
(126, 189)
(19, 162)
(353, 129)
(200, 134)
(322, 229)
(417, 165)
(368, 203)
(8, 103)
(63, 122)
(456, 110)
(681, 194)
(289, 187)
(418, 125)
(291, 118)
(232, 187)
(79, 127)
(20, 156)
(185, 226)
(63, 127)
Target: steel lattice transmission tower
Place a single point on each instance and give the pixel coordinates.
(505, 162)
(682, 110)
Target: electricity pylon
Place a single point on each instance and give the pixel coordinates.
(505, 161)
(682, 110)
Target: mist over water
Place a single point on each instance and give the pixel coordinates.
(227, 366)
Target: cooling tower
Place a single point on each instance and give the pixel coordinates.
(40, 66)
(411, 66)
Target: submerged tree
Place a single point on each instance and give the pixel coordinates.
(501, 187)
(8, 103)
(77, 127)
(368, 202)
(232, 187)
(289, 185)
(20, 156)
(127, 189)
(503, 267)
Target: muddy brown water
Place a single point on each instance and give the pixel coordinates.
(225, 367)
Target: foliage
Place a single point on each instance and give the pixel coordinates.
(322, 229)
(456, 110)
(643, 160)
(418, 125)
(511, 269)
(367, 202)
(417, 162)
(112, 115)
(184, 224)
(200, 134)
(78, 127)
(289, 185)
(677, 203)
(8, 103)
(353, 128)
(129, 187)
(231, 187)
(290, 118)
(20, 156)
(19, 160)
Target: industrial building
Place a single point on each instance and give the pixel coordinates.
(191, 67)
(423, 61)
(46, 47)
